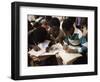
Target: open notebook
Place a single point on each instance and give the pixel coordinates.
(42, 52)
(57, 49)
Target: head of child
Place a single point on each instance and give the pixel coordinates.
(68, 26)
(54, 25)
(39, 35)
(45, 22)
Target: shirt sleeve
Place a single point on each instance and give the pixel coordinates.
(83, 42)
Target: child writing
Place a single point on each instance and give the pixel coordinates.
(73, 37)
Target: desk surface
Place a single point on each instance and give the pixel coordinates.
(66, 57)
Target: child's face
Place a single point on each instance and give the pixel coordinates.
(84, 30)
(54, 32)
(67, 33)
(45, 25)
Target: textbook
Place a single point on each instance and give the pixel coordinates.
(58, 51)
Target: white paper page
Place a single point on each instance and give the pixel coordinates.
(42, 46)
(66, 57)
(36, 53)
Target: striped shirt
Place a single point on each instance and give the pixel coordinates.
(77, 41)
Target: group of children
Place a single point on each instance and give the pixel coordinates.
(71, 32)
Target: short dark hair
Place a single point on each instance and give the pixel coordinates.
(54, 23)
(73, 19)
(37, 36)
(48, 18)
(67, 24)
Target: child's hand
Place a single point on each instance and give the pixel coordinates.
(65, 47)
(69, 50)
(36, 48)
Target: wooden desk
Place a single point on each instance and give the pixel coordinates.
(43, 60)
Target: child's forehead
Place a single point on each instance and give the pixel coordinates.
(69, 30)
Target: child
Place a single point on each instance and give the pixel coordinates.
(56, 35)
(37, 36)
(54, 30)
(73, 37)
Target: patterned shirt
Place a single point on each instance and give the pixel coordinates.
(77, 41)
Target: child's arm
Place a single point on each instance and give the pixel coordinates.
(83, 49)
(69, 50)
